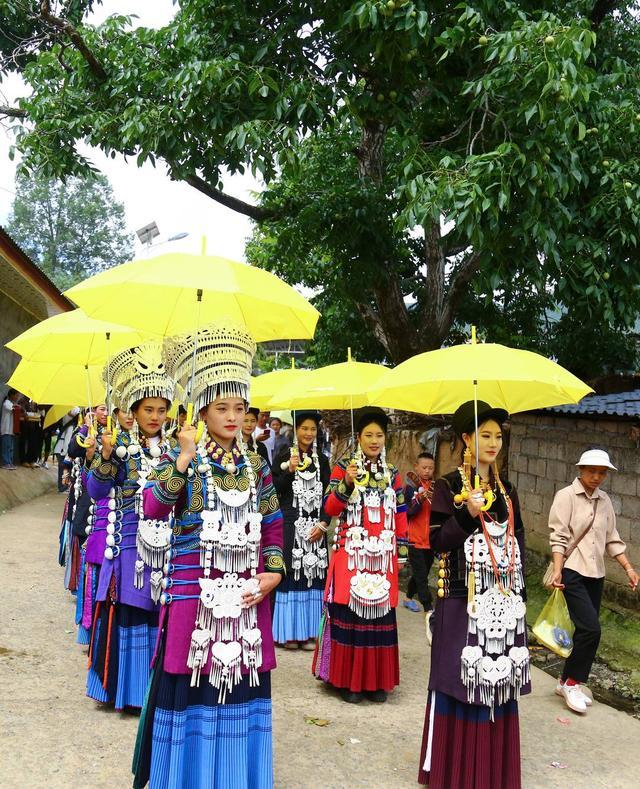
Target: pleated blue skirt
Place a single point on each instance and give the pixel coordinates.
(186, 740)
(121, 650)
(296, 615)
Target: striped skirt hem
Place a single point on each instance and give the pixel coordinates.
(121, 649)
(362, 653)
(462, 747)
(296, 615)
(187, 739)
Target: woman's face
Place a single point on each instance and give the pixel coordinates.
(125, 419)
(489, 441)
(248, 425)
(224, 417)
(150, 415)
(101, 413)
(593, 476)
(371, 439)
(306, 433)
(276, 425)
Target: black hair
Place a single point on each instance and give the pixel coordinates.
(425, 456)
(136, 405)
(182, 410)
(11, 392)
(371, 415)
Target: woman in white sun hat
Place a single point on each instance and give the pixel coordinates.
(582, 527)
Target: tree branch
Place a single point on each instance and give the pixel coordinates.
(13, 112)
(64, 26)
(600, 10)
(459, 282)
(255, 212)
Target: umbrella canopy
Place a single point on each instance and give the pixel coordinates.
(57, 382)
(437, 382)
(341, 386)
(73, 337)
(264, 387)
(55, 413)
(176, 292)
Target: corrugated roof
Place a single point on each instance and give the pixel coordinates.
(625, 404)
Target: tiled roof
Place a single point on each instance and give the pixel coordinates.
(625, 404)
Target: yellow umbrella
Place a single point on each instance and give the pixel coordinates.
(336, 387)
(57, 382)
(437, 382)
(177, 292)
(75, 338)
(264, 387)
(55, 413)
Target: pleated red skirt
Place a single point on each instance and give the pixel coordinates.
(363, 652)
(464, 749)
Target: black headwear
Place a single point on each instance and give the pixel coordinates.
(370, 413)
(254, 411)
(300, 416)
(464, 421)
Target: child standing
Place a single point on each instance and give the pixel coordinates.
(418, 493)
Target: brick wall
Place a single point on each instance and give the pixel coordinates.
(543, 451)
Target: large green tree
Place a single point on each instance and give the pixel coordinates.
(72, 229)
(413, 151)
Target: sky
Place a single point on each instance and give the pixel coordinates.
(148, 193)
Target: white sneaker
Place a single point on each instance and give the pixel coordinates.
(587, 699)
(427, 624)
(573, 697)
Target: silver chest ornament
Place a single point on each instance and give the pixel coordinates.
(307, 557)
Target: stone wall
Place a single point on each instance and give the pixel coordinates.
(543, 451)
(14, 321)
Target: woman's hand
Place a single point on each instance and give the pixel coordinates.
(317, 532)
(188, 449)
(107, 446)
(267, 583)
(350, 474)
(294, 462)
(90, 443)
(475, 502)
(633, 578)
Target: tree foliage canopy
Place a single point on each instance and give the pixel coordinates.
(513, 122)
(72, 229)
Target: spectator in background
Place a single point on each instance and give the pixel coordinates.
(264, 434)
(280, 438)
(418, 494)
(582, 528)
(32, 429)
(248, 429)
(7, 430)
(65, 431)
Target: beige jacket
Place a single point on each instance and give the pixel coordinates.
(570, 515)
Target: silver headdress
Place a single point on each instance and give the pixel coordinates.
(139, 372)
(224, 355)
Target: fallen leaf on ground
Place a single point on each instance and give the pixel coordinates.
(563, 721)
(316, 721)
(340, 742)
(559, 765)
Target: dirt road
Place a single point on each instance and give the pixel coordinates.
(55, 737)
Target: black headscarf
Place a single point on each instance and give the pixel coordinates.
(368, 415)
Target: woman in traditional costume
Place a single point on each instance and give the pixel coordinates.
(479, 655)
(358, 645)
(77, 510)
(126, 619)
(301, 477)
(96, 530)
(207, 718)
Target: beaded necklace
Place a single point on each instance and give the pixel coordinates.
(370, 556)
(310, 557)
(230, 543)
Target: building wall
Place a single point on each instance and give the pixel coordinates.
(542, 455)
(13, 321)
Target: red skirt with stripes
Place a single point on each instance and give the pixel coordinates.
(363, 652)
(463, 749)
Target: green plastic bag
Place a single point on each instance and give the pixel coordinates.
(554, 628)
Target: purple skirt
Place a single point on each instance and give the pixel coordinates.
(463, 749)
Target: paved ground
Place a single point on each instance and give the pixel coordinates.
(54, 737)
